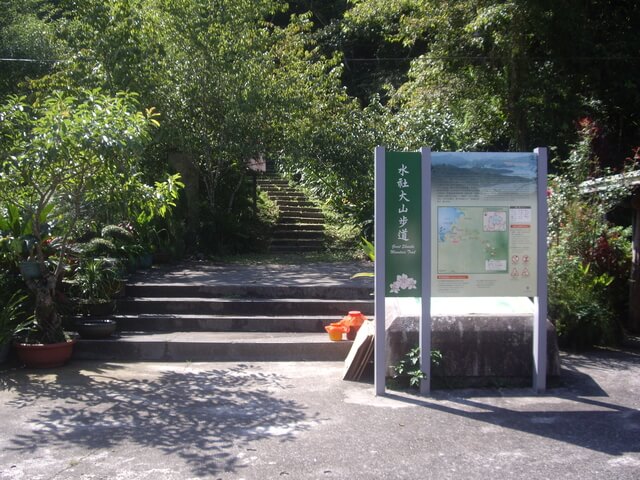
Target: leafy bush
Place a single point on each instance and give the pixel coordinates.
(58, 153)
(589, 258)
(96, 280)
(117, 234)
(13, 318)
(98, 247)
(579, 302)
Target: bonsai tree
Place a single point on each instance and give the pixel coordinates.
(56, 155)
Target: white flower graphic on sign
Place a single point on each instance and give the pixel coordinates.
(403, 282)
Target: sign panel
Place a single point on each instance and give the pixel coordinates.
(403, 224)
(484, 209)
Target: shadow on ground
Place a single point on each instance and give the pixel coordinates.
(579, 412)
(203, 417)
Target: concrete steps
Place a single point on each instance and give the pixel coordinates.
(277, 313)
(300, 220)
(235, 290)
(170, 322)
(285, 227)
(299, 234)
(300, 212)
(244, 306)
(292, 233)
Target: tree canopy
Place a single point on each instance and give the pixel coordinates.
(314, 86)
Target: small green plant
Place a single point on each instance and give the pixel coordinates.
(96, 281)
(408, 371)
(12, 317)
(368, 248)
(370, 251)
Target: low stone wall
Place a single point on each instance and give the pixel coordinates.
(477, 349)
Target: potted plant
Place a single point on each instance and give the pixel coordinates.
(94, 285)
(17, 235)
(57, 154)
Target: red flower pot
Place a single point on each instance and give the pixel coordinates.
(48, 355)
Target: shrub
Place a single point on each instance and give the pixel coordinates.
(589, 258)
(117, 234)
(579, 302)
(99, 247)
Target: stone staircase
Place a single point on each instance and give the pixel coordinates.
(260, 315)
(300, 226)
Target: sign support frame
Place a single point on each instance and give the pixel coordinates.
(380, 360)
(540, 300)
(425, 319)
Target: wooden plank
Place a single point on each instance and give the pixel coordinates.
(366, 358)
(361, 352)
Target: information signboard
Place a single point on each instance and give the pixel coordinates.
(460, 225)
(484, 208)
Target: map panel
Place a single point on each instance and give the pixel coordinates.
(472, 240)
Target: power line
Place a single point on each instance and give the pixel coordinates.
(404, 59)
(28, 60)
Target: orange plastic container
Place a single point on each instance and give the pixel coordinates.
(335, 332)
(353, 321)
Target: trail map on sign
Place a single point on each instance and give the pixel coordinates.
(472, 240)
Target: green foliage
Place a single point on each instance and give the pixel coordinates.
(489, 74)
(341, 235)
(13, 318)
(368, 248)
(27, 32)
(97, 247)
(116, 233)
(408, 370)
(231, 87)
(58, 154)
(16, 235)
(96, 280)
(579, 303)
(589, 259)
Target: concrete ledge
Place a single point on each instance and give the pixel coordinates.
(176, 289)
(213, 346)
(477, 349)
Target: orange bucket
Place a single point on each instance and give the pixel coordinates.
(335, 332)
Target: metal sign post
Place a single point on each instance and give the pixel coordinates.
(380, 360)
(540, 300)
(425, 320)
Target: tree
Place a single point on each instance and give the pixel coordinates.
(55, 155)
(504, 74)
(29, 45)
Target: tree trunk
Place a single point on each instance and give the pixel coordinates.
(46, 313)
